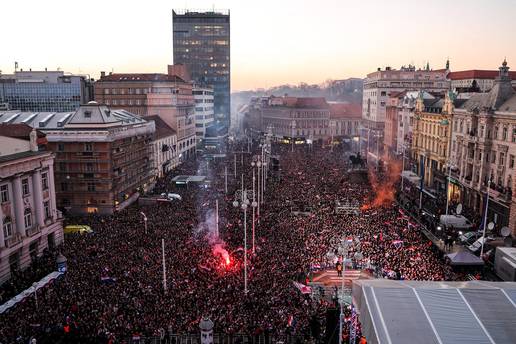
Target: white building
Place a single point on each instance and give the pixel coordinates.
(29, 218)
(378, 86)
(165, 150)
(204, 111)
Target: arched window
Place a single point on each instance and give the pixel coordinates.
(8, 227)
(27, 217)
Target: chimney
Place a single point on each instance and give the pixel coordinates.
(33, 140)
(45, 69)
(102, 74)
(379, 69)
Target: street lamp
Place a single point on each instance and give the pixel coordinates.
(253, 164)
(34, 285)
(450, 167)
(242, 200)
(343, 252)
(144, 220)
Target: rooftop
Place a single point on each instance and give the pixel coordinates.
(91, 115)
(162, 128)
(152, 77)
(477, 74)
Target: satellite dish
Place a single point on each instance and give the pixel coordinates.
(490, 226)
(505, 231)
(459, 209)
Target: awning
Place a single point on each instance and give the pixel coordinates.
(29, 291)
(464, 258)
(426, 312)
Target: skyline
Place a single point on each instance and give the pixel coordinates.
(304, 41)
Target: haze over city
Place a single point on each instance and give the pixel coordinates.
(273, 42)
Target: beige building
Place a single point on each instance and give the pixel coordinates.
(168, 95)
(484, 148)
(29, 217)
(377, 88)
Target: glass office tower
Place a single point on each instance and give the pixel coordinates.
(43, 91)
(201, 41)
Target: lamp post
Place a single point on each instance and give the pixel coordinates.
(164, 267)
(343, 251)
(253, 164)
(450, 166)
(35, 293)
(144, 220)
(242, 200)
(485, 218)
(259, 166)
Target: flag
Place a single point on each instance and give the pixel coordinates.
(304, 289)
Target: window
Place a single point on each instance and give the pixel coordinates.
(89, 167)
(91, 186)
(501, 160)
(504, 133)
(64, 187)
(88, 147)
(25, 186)
(511, 161)
(60, 147)
(46, 206)
(4, 193)
(62, 166)
(8, 227)
(27, 218)
(495, 133)
(383, 93)
(493, 158)
(44, 181)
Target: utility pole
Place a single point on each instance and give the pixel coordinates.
(164, 267)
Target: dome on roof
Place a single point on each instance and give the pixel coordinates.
(93, 103)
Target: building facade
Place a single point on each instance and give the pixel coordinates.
(484, 151)
(378, 86)
(201, 41)
(431, 139)
(165, 150)
(29, 217)
(204, 110)
(44, 91)
(481, 80)
(308, 118)
(103, 157)
(168, 95)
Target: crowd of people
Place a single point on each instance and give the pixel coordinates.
(114, 288)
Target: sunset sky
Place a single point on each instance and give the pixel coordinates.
(272, 42)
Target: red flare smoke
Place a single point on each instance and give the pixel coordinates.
(218, 250)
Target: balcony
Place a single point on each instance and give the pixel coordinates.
(13, 240)
(35, 229)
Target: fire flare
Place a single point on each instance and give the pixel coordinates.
(219, 250)
(384, 190)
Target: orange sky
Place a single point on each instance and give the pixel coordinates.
(272, 42)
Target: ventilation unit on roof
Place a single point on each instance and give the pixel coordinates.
(12, 118)
(87, 114)
(44, 122)
(63, 120)
(29, 119)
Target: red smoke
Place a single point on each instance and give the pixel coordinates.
(219, 250)
(384, 189)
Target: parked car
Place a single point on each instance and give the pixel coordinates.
(469, 238)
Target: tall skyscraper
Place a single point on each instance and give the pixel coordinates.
(202, 42)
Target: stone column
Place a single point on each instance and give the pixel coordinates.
(38, 198)
(19, 207)
(52, 192)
